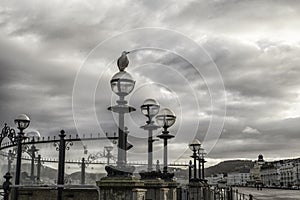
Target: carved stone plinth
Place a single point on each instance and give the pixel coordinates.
(198, 190)
(172, 186)
(156, 189)
(121, 188)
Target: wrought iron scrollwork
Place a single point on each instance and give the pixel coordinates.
(26, 149)
(56, 145)
(8, 132)
(68, 145)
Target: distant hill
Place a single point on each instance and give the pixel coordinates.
(228, 166)
(90, 178)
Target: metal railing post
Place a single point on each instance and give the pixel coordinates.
(61, 163)
(6, 185)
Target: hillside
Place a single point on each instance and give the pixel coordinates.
(228, 166)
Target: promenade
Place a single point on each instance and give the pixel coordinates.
(271, 194)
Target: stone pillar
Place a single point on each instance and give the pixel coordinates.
(139, 194)
(119, 188)
(195, 190)
(206, 190)
(163, 194)
(156, 188)
(172, 186)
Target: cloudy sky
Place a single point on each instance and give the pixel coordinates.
(229, 69)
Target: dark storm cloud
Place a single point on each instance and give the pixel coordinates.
(254, 44)
(29, 85)
(234, 17)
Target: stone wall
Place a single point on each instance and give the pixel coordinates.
(51, 194)
(121, 188)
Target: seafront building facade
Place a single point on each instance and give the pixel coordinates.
(239, 178)
(283, 173)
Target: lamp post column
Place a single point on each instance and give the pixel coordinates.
(83, 171)
(61, 158)
(165, 136)
(121, 143)
(150, 127)
(19, 140)
(32, 154)
(190, 170)
(39, 165)
(165, 170)
(61, 164)
(203, 161)
(22, 121)
(199, 167)
(150, 151)
(18, 164)
(165, 119)
(201, 154)
(195, 164)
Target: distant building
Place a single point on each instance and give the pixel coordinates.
(239, 178)
(287, 170)
(283, 173)
(214, 179)
(270, 174)
(296, 177)
(255, 176)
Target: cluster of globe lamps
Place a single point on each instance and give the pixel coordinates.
(122, 84)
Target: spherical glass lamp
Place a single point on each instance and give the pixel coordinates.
(32, 135)
(22, 121)
(165, 118)
(109, 148)
(150, 108)
(122, 83)
(195, 145)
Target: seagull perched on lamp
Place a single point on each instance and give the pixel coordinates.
(123, 61)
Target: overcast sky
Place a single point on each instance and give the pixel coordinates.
(229, 69)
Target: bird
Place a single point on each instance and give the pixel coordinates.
(123, 61)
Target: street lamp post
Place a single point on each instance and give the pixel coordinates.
(190, 169)
(83, 166)
(122, 84)
(150, 109)
(195, 146)
(22, 121)
(38, 171)
(165, 119)
(61, 147)
(201, 154)
(6, 185)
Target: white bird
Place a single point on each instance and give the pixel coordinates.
(123, 61)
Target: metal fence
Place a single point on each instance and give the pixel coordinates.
(214, 193)
(229, 194)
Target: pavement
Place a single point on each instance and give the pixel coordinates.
(271, 194)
